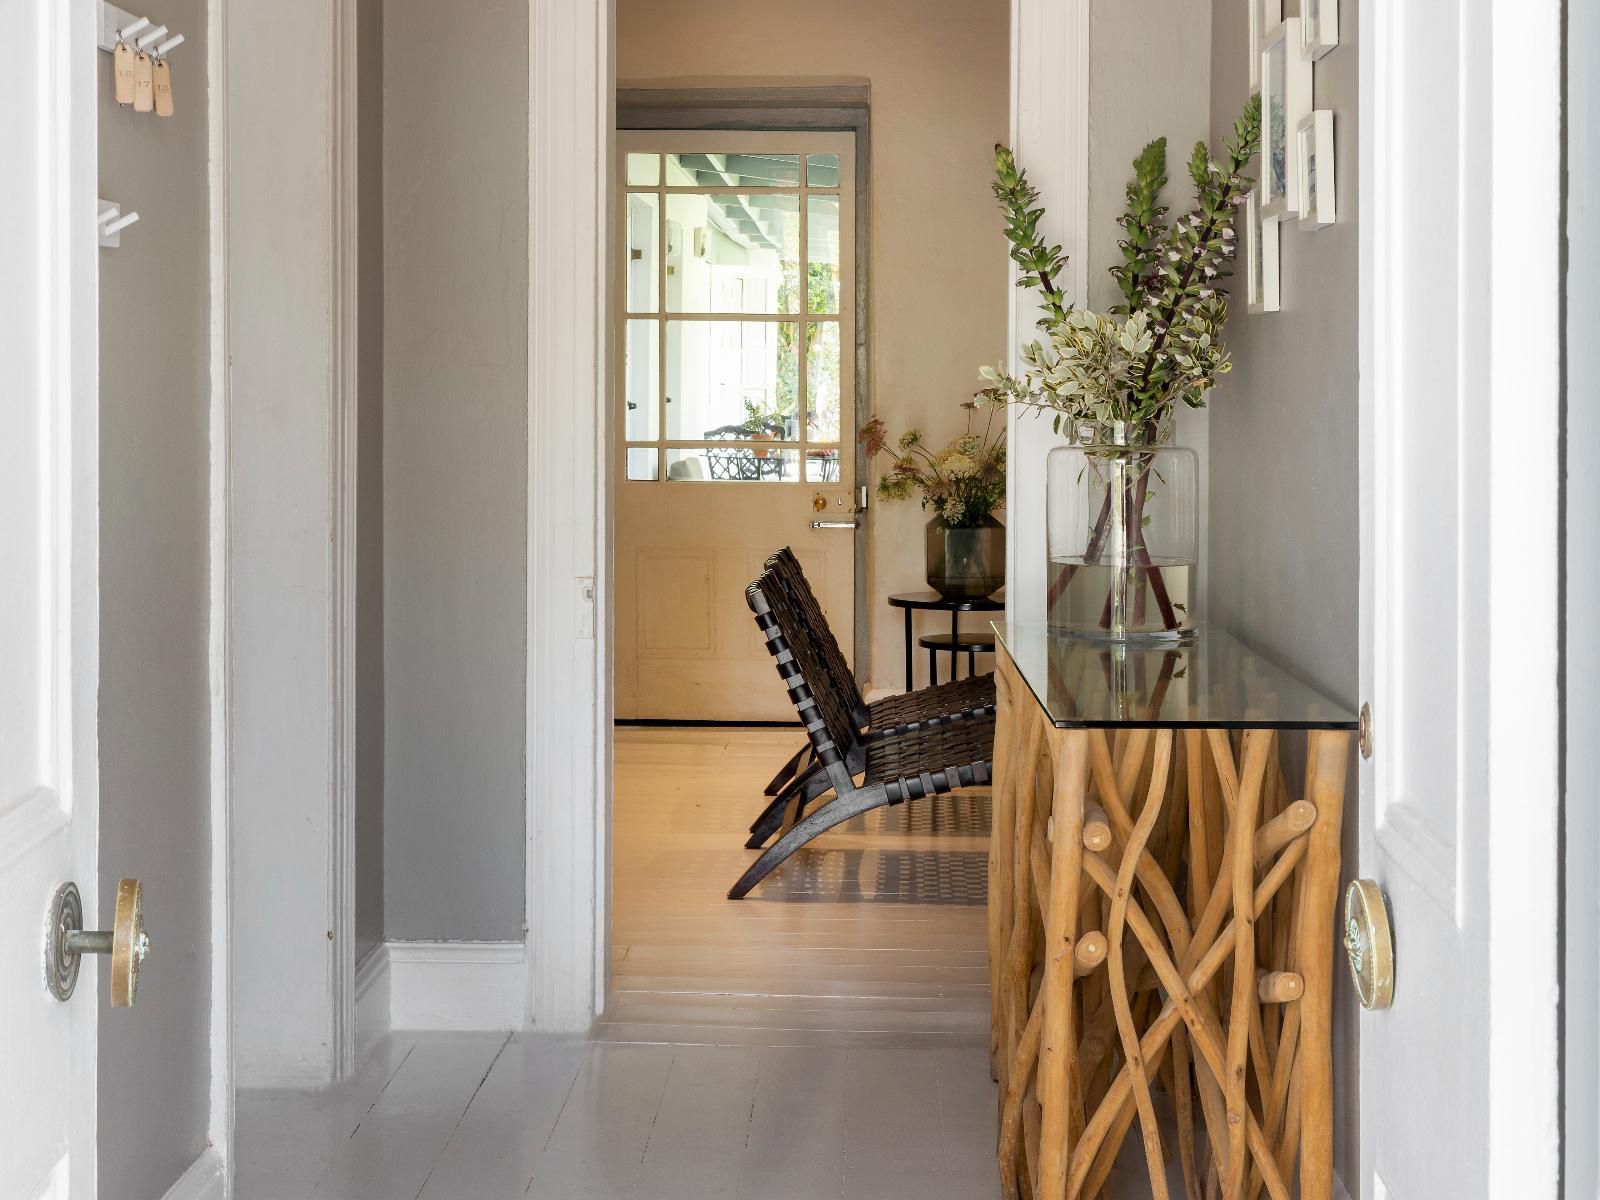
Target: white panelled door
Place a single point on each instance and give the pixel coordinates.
(1460, 475)
(48, 589)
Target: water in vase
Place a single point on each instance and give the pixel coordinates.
(1121, 601)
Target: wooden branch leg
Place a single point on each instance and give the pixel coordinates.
(1327, 760)
(1002, 836)
(1070, 753)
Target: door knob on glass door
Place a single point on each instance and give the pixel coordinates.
(66, 941)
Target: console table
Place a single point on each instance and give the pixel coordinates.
(1163, 876)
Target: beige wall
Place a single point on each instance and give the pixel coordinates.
(938, 71)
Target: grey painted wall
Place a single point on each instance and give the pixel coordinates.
(369, 479)
(455, 138)
(1149, 77)
(1284, 544)
(154, 706)
(1581, 987)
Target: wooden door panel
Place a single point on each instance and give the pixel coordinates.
(690, 541)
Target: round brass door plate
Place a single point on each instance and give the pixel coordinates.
(1369, 944)
(129, 943)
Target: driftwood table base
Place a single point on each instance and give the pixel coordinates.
(1161, 947)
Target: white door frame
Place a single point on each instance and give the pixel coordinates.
(571, 101)
(1513, 58)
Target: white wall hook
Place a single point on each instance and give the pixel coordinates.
(120, 25)
(111, 221)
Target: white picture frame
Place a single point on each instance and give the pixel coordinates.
(1260, 257)
(1263, 15)
(1314, 164)
(1319, 27)
(1285, 102)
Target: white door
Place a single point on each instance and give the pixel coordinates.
(1460, 223)
(738, 407)
(48, 589)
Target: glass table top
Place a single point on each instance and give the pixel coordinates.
(1211, 681)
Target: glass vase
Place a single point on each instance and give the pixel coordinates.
(1123, 531)
(966, 562)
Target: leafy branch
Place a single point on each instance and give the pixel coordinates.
(1142, 225)
(1041, 263)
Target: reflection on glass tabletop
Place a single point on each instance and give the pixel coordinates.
(1209, 681)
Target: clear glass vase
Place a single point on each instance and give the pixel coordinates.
(1123, 536)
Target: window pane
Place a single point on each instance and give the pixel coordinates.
(733, 254)
(641, 369)
(641, 229)
(732, 171)
(732, 379)
(734, 463)
(642, 462)
(822, 170)
(822, 381)
(644, 170)
(822, 237)
(822, 464)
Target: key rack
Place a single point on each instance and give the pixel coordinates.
(120, 25)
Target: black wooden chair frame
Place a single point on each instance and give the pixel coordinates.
(801, 778)
(934, 760)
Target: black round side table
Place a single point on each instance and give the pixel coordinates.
(956, 643)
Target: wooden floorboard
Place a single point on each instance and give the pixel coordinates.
(872, 935)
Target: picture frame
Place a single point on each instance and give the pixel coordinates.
(1314, 163)
(1263, 15)
(1319, 27)
(1261, 258)
(1285, 102)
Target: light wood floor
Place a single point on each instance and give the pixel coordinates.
(874, 935)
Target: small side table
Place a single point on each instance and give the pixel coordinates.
(955, 645)
(913, 602)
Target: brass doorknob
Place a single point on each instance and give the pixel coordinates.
(66, 941)
(1369, 944)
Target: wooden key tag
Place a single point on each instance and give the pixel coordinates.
(122, 72)
(144, 99)
(162, 75)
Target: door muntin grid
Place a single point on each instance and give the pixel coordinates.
(735, 295)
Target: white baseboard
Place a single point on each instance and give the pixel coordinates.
(373, 990)
(204, 1180)
(457, 985)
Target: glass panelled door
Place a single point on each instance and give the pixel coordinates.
(737, 385)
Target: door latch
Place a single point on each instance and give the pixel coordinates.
(66, 941)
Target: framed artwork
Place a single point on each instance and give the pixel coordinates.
(1314, 161)
(1263, 15)
(1319, 27)
(1260, 257)
(1285, 102)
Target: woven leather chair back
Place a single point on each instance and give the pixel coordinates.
(822, 710)
(791, 575)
